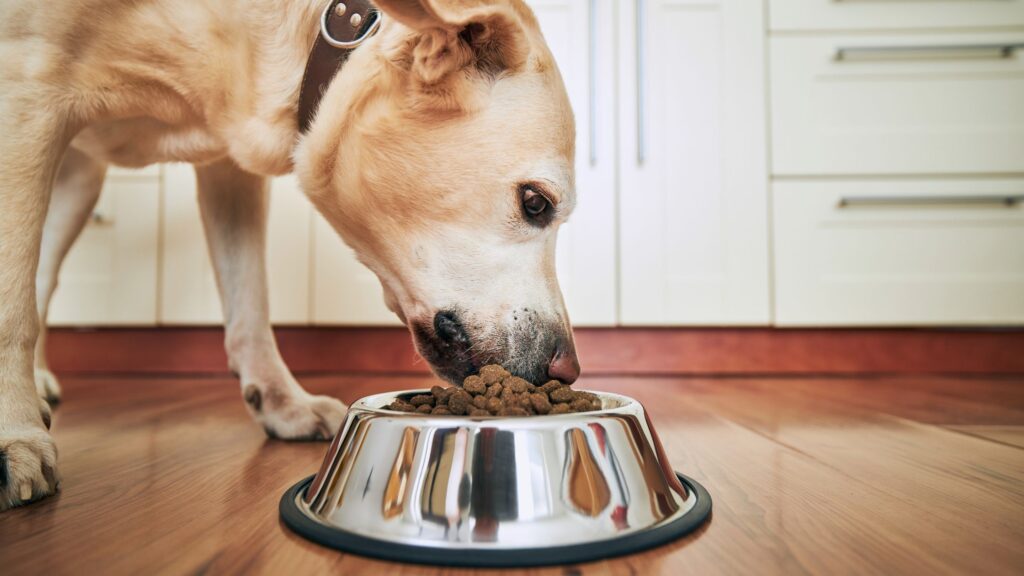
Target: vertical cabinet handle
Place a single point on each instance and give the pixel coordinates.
(641, 113)
(592, 65)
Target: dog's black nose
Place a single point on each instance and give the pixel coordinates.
(448, 328)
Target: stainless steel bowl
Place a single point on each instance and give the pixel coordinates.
(493, 491)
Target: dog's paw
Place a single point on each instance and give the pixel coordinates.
(47, 385)
(295, 416)
(28, 465)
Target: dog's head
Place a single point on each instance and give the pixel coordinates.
(443, 154)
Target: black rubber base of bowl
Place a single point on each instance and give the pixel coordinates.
(303, 525)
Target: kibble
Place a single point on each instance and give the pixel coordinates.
(513, 411)
(508, 395)
(402, 406)
(441, 394)
(580, 405)
(494, 405)
(474, 385)
(459, 402)
(422, 399)
(541, 403)
(561, 395)
(560, 409)
(493, 373)
(496, 392)
(517, 384)
(550, 386)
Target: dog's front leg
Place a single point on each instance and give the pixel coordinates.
(234, 206)
(32, 141)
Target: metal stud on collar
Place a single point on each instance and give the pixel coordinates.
(370, 31)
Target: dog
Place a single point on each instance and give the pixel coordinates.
(442, 152)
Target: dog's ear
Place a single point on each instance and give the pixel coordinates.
(416, 14)
(454, 34)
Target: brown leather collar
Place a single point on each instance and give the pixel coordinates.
(344, 25)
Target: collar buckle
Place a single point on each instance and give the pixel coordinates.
(374, 16)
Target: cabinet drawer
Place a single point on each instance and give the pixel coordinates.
(922, 104)
(188, 294)
(905, 252)
(894, 14)
(110, 275)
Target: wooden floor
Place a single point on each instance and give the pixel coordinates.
(907, 475)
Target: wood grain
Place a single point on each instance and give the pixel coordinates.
(1009, 435)
(818, 475)
(603, 351)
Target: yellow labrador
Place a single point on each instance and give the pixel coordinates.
(442, 152)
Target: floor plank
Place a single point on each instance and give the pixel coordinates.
(1009, 435)
(908, 475)
(949, 483)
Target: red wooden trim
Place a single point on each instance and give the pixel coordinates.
(803, 351)
(603, 351)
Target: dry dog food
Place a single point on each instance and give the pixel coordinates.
(496, 392)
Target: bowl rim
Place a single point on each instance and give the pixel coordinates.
(375, 404)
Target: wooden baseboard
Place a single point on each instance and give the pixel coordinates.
(603, 351)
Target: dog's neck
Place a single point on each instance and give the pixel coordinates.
(284, 33)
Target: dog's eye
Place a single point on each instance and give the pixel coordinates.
(535, 205)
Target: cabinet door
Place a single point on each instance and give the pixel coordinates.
(580, 35)
(693, 197)
(189, 288)
(344, 291)
(110, 275)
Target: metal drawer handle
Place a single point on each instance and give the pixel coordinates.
(854, 53)
(1007, 200)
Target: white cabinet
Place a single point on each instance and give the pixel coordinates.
(803, 15)
(188, 290)
(290, 252)
(877, 104)
(580, 35)
(693, 199)
(897, 128)
(900, 252)
(344, 291)
(110, 275)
